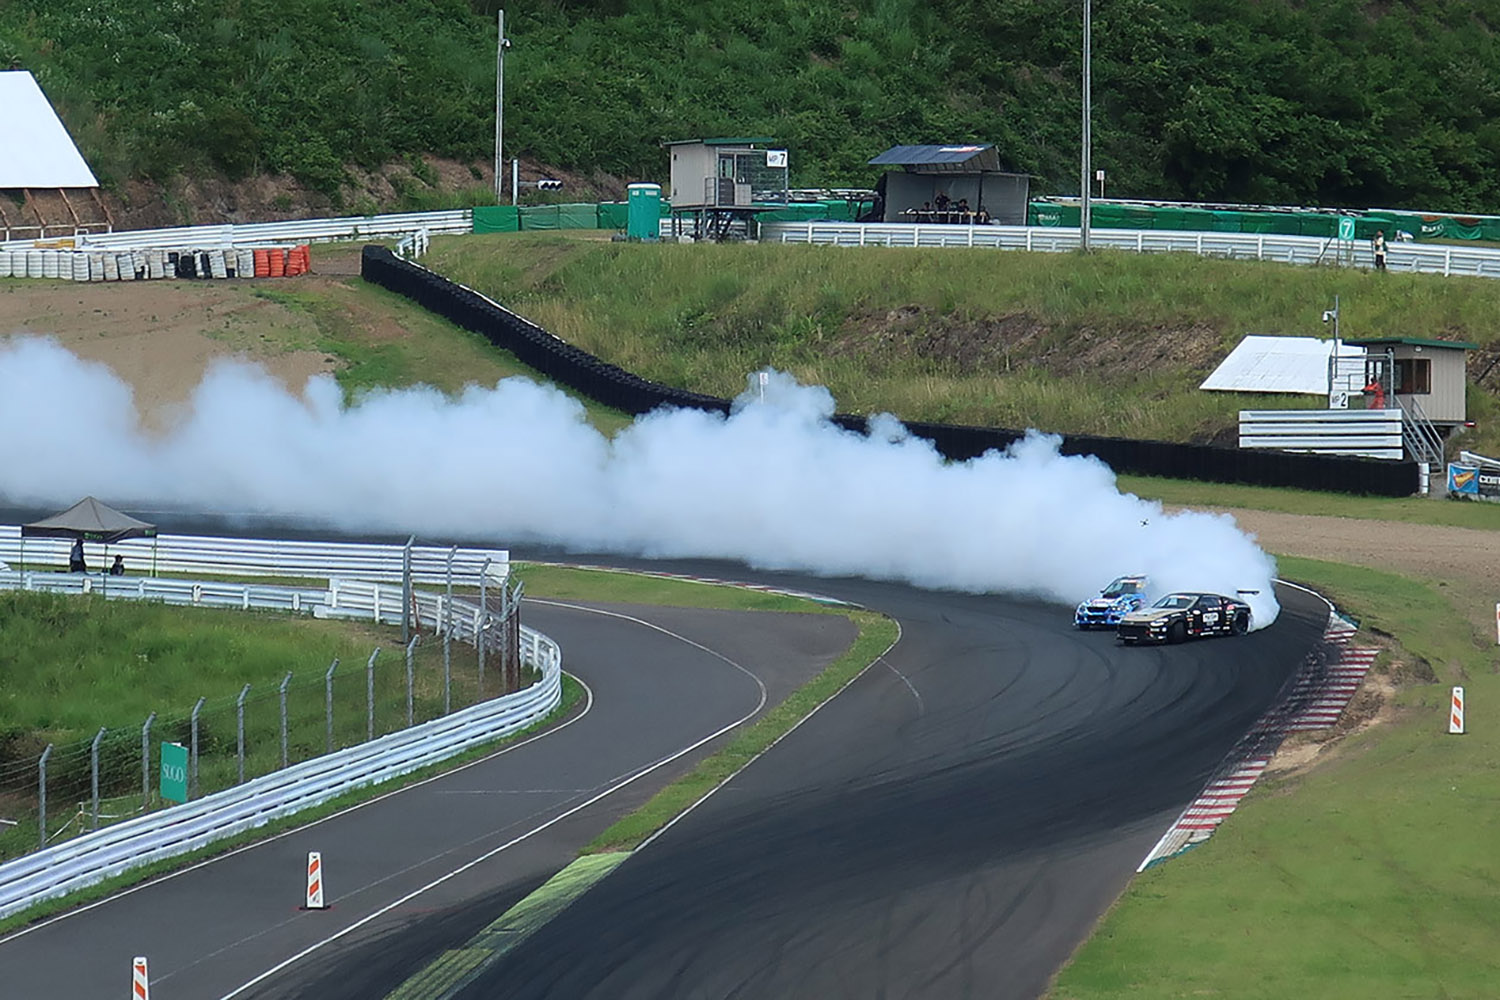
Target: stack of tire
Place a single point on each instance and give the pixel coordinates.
(152, 263)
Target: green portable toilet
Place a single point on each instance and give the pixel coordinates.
(643, 221)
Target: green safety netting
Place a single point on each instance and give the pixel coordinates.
(1319, 224)
(496, 219)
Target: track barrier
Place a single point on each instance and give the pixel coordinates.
(1456, 713)
(315, 882)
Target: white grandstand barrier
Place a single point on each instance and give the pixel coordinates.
(375, 562)
(1417, 257)
(91, 858)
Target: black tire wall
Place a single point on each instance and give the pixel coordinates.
(611, 386)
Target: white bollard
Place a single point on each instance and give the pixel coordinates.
(140, 985)
(315, 881)
(1456, 713)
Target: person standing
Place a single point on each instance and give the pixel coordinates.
(75, 558)
(1378, 245)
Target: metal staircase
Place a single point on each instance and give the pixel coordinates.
(1423, 442)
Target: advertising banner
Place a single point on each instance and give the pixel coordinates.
(1472, 481)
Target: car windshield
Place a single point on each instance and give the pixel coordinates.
(1124, 585)
(1175, 601)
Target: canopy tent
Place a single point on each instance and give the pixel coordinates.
(88, 520)
(91, 521)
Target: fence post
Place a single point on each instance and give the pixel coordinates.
(481, 627)
(94, 773)
(41, 768)
(239, 712)
(146, 763)
(328, 701)
(411, 652)
(448, 637)
(370, 696)
(284, 682)
(193, 750)
(406, 590)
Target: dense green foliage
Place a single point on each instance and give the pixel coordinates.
(1326, 101)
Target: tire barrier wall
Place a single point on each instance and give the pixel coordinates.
(152, 263)
(611, 386)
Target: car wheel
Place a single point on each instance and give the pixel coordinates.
(1240, 625)
(1178, 632)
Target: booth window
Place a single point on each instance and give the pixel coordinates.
(1414, 376)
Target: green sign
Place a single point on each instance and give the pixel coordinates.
(174, 772)
(1346, 227)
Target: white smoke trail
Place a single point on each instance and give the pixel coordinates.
(774, 484)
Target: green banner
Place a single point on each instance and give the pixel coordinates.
(496, 219)
(174, 772)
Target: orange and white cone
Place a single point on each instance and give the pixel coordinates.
(140, 983)
(315, 881)
(1456, 713)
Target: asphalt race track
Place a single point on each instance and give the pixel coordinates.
(951, 826)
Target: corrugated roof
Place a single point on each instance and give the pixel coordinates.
(1462, 345)
(1285, 364)
(912, 156)
(759, 140)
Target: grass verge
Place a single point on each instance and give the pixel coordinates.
(1372, 875)
(876, 633)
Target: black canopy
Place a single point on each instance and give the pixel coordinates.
(91, 521)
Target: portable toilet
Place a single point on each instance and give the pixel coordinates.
(643, 212)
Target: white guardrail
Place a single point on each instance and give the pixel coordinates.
(251, 234)
(1483, 262)
(381, 563)
(93, 857)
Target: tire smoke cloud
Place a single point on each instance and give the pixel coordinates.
(774, 484)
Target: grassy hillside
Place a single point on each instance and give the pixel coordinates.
(1104, 344)
(1325, 101)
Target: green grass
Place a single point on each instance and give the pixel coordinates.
(1106, 343)
(1370, 875)
(567, 583)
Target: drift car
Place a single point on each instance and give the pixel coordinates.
(1126, 594)
(1179, 616)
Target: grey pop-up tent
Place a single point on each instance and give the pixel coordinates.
(91, 521)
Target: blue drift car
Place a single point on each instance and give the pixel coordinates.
(1114, 602)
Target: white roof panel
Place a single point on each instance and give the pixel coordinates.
(35, 149)
(1284, 364)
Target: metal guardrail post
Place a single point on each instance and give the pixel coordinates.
(94, 776)
(285, 681)
(41, 768)
(146, 762)
(406, 589)
(370, 695)
(193, 749)
(411, 677)
(448, 637)
(239, 712)
(481, 627)
(328, 702)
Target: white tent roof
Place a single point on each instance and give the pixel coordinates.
(35, 149)
(1284, 364)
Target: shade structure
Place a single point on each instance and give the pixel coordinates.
(92, 521)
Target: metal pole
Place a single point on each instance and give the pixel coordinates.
(501, 44)
(41, 768)
(285, 681)
(193, 750)
(515, 179)
(239, 711)
(448, 637)
(411, 652)
(482, 629)
(94, 774)
(406, 590)
(1085, 171)
(328, 701)
(370, 696)
(146, 762)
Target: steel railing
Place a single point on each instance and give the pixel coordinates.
(355, 227)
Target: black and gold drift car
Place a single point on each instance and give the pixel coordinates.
(1185, 616)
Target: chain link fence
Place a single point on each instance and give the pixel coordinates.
(73, 788)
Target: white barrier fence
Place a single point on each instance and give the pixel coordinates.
(264, 557)
(260, 234)
(94, 857)
(1371, 433)
(1481, 262)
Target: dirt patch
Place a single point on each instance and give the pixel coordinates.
(161, 340)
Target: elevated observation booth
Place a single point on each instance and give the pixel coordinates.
(719, 185)
(958, 184)
(47, 191)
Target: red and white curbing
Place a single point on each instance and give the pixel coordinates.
(1323, 695)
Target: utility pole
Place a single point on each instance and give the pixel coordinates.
(501, 44)
(1085, 171)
